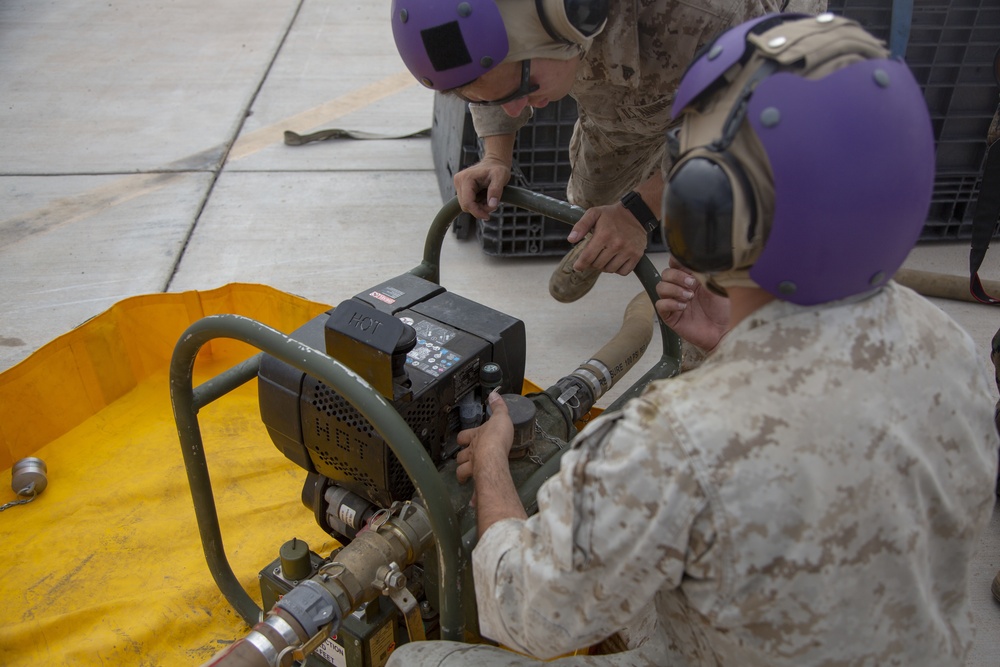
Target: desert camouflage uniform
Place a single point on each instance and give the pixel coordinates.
(811, 495)
(625, 87)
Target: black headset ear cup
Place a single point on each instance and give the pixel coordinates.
(586, 16)
(704, 192)
(698, 215)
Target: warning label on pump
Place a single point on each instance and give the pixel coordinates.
(430, 354)
(382, 297)
(332, 652)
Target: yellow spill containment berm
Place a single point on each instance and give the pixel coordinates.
(106, 567)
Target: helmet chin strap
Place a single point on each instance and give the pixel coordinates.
(719, 282)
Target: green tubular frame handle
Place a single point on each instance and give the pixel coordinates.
(387, 422)
(187, 400)
(430, 269)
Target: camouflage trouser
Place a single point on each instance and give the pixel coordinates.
(453, 654)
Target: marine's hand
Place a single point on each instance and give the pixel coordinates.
(485, 448)
(695, 313)
(479, 187)
(484, 458)
(618, 241)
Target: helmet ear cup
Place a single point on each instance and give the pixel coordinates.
(561, 18)
(703, 193)
(587, 16)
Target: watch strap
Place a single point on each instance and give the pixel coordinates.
(637, 207)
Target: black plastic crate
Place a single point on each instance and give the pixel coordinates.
(541, 164)
(541, 152)
(950, 51)
(516, 232)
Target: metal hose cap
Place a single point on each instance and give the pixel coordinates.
(28, 476)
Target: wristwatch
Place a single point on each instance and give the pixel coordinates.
(633, 202)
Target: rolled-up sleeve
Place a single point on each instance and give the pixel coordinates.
(489, 120)
(611, 531)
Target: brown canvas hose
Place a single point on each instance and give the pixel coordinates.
(942, 285)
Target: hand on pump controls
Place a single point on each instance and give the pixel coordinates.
(485, 448)
(484, 459)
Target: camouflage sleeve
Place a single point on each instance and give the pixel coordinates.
(489, 121)
(611, 531)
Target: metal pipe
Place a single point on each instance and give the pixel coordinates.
(217, 387)
(267, 644)
(430, 267)
(189, 433)
(307, 615)
(386, 421)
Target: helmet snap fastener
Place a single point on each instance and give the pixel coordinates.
(714, 52)
(404, 16)
(464, 9)
(787, 287)
(825, 17)
(881, 78)
(770, 117)
(775, 42)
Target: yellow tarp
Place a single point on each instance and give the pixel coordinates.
(106, 566)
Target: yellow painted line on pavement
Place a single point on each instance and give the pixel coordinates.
(67, 210)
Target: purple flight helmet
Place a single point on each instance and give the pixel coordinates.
(449, 43)
(852, 158)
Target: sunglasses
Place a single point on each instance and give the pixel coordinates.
(525, 89)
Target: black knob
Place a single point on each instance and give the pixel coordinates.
(490, 376)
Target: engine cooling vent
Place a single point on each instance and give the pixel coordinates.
(346, 442)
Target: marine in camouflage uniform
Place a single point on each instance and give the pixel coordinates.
(779, 519)
(814, 492)
(624, 91)
(625, 87)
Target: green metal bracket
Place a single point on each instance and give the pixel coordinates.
(387, 422)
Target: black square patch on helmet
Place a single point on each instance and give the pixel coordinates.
(445, 46)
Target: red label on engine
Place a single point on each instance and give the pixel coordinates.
(383, 297)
